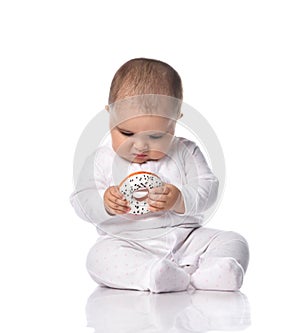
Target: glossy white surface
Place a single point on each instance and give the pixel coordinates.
(111, 310)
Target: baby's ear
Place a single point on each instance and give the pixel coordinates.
(107, 108)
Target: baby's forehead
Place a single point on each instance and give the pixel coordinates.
(143, 105)
(149, 120)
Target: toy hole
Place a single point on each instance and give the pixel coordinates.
(141, 194)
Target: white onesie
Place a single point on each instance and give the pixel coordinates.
(163, 251)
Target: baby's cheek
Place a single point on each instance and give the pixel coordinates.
(161, 149)
(156, 154)
(122, 148)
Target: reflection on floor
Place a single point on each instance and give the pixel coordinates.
(114, 311)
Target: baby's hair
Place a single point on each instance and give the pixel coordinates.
(145, 76)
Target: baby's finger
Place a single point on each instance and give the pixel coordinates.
(154, 209)
(116, 193)
(117, 203)
(116, 211)
(116, 197)
(155, 205)
(157, 197)
(159, 190)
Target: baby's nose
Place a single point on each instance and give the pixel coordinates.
(140, 144)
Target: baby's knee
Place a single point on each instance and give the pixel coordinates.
(237, 246)
(98, 257)
(232, 236)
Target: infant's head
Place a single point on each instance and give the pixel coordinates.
(143, 76)
(144, 103)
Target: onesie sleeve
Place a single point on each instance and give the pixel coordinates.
(200, 188)
(87, 198)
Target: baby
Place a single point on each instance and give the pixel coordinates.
(167, 249)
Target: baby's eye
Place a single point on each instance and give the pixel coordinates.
(126, 133)
(155, 137)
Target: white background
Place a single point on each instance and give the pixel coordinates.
(239, 62)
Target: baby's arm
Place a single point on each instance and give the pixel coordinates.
(200, 190)
(88, 196)
(196, 194)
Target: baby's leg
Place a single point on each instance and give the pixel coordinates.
(119, 263)
(223, 263)
(126, 264)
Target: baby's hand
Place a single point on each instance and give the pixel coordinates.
(114, 202)
(166, 197)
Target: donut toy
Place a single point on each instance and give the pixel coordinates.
(135, 188)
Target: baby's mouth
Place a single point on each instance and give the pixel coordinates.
(140, 155)
(140, 158)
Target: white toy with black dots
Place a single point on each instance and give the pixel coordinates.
(135, 188)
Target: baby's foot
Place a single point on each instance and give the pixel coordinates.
(166, 276)
(218, 274)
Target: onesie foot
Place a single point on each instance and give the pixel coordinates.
(218, 274)
(166, 276)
